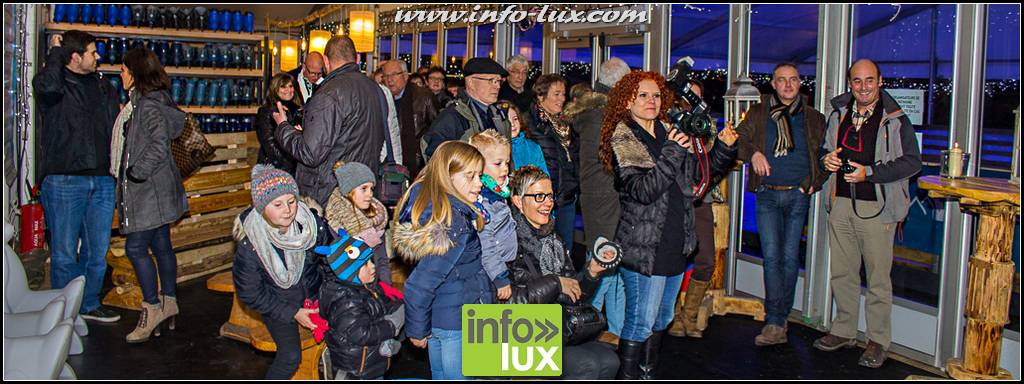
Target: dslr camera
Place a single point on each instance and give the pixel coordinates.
(846, 167)
(695, 122)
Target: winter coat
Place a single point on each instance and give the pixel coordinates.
(752, 131)
(256, 288)
(643, 182)
(498, 238)
(270, 151)
(149, 189)
(355, 314)
(599, 202)
(521, 100)
(340, 213)
(897, 156)
(561, 165)
(457, 121)
(345, 120)
(68, 140)
(416, 111)
(529, 286)
(448, 272)
(527, 152)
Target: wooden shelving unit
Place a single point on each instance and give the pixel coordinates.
(234, 110)
(193, 71)
(169, 34)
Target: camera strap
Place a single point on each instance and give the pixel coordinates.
(704, 163)
(853, 198)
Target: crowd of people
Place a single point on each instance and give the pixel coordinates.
(499, 167)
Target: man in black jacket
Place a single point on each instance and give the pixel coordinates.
(416, 109)
(308, 76)
(78, 109)
(345, 120)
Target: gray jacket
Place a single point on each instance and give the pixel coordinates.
(897, 156)
(149, 189)
(346, 119)
(498, 242)
(599, 201)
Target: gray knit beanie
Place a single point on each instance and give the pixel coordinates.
(269, 183)
(351, 175)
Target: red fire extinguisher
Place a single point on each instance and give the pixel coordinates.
(32, 224)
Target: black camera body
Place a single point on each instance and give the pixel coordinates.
(846, 167)
(696, 122)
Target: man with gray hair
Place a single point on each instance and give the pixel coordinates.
(416, 109)
(515, 88)
(599, 202)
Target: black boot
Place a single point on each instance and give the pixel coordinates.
(629, 359)
(649, 360)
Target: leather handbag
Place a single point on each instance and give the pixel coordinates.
(582, 322)
(191, 150)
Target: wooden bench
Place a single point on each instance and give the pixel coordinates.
(247, 326)
(202, 241)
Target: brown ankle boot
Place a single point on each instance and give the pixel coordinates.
(691, 307)
(678, 329)
(169, 305)
(149, 320)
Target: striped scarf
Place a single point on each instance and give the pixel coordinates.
(117, 137)
(781, 113)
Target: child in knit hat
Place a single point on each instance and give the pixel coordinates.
(365, 320)
(275, 268)
(498, 238)
(353, 208)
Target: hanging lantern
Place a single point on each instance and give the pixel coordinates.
(289, 55)
(318, 40)
(739, 98)
(361, 28)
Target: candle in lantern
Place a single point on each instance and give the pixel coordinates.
(956, 158)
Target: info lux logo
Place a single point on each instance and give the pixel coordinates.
(512, 340)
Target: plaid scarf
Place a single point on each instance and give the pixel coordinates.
(781, 113)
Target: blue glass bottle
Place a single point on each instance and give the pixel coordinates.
(225, 20)
(200, 98)
(250, 22)
(214, 18)
(236, 92)
(99, 14)
(115, 81)
(201, 18)
(86, 13)
(71, 13)
(59, 13)
(236, 21)
(138, 15)
(246, 93)
(125, 19)
(204, 56)
(187, 55)
(101, 50)
(222, 124)
(225, 93)
(213, 93)
(176, 90)
(113, 14)
(137, 43)
(113, 49)
(190, 91)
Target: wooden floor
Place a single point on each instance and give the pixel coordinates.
(195, 351)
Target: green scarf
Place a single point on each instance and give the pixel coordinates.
(489, 183)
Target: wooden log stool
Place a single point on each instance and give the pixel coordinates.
(990, 271)
(247, 326)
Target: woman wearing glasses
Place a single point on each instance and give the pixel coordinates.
(542, 272)
(654, 175)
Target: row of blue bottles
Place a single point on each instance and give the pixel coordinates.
(155, 17)
(177, 54)
(225, 124)
(216, 92)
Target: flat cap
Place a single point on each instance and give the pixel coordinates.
(483, 65)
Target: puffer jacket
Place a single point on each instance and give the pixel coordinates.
(529, 286)
(344, 120)
(67, 136)
(643, 182)
(897, 157)
(355, 313)
(448, 272)
(599, 202)
(340, 213)
(149, 189)
(561, 165)
(498, 238)
(256, 288)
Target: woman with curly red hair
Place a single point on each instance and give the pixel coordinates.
(655, 177)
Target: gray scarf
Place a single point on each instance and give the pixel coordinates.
(781, 113)
(299, 237)
(541, 242)
(117, 136)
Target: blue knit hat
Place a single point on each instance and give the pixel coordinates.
(345, 256)
(269, 183)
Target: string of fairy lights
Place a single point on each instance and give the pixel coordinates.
(17, 104)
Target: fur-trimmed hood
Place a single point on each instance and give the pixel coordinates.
(628, 149)
(587, 102)
(413, 244)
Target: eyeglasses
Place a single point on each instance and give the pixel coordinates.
(393, 74)
(491, 81)
(523, 72)
(313, 74)
(540, 197)
(436, 78)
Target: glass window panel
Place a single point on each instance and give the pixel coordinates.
(405, 50)
(529, 42)
(576, 65)
(456, 51)
(385, 48)
(913, 47)
(428, 49)
(701, 31)
(633, 54)
(485, 40)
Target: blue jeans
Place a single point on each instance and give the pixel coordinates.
(445, 350)
(565, 223)
(79, 208)
(650, 303)
(780, 223)
(137, 246)
(611, 294)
